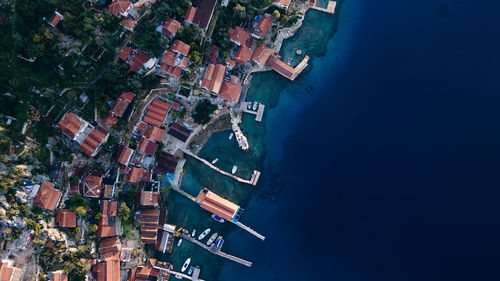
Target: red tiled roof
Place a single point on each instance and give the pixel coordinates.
(57, 276)
(134, 175)
(238, 35)
(243, 54)
(175, 106)
(66, 218)
(170, 27)
(230, 91)
(190, 13)
(109, 269)
(152, 121)
(109, 120)
(147, 272)
(5, 271)
(109, 208)
(261, 54)
(70, 124)
(119, 7)
(56, 17)
(284, 3)
(280, 66)
(109, 246)
(163, 105)
(212, 81)
(216, 204)
(149, 225)
(263, 26)
(106, 225)
(138, 60)
(128, 23)
(149, 198)
(180, 47)
(47, 196)
(125, 53)
(128, 96)
(92, 186)
(92, 142)
(154, 133)
(124, 155)
(230, 63)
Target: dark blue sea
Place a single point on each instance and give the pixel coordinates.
(382, 160)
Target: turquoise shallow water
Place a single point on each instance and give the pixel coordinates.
(278, 94)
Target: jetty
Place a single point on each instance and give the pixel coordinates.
(214, 251)
(170, 271)
(252, 181)
(286, 70)
(258, 114)
(329, 9)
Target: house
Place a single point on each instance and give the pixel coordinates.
(146, 146)
(262, 27)
(136, 59)
(92, 186)
(218, 205)
(107, 221)
(55, 19)
(66, 218)
(213, 78)
(180, 48)
(147, 272)
(166, 163)
(169, 28)
(282, 4)
(154, 133)
(58, 276)
(135, 175)
(119, 109)
(179, 132)
(47, 197)
(108, 270)
(124, 155)
(9, 272)
(93, 141)
(89, 137)
(238, 35)
(165, 241)
(174, 60)
(230, 64)
(128, 23)
(150, 219)
(156, 113)
(200, 14)
(243, 54)
(149, 198)
(261, 54)
(121, 8)
(109, 246)
(281, 67)
(73, 126)
(231, 90)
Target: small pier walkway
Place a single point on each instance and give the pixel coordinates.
(258, 114)
(170, 271)
(255, 233)
(329, 9)
(217, 252)
(252, 181)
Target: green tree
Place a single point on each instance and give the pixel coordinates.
(124, 212)
(93, 228)
(203, 112)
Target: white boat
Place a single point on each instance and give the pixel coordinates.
(205, 233)
(215, 160)
(179, 243)
(255, 105)
(249, 106)
(231, 136)
(217, 218)
(193, 233)
(186, 264)
(178, 276)
(235, 168)
(191, 269)
(212, 239)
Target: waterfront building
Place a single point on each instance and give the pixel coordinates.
(218, 205)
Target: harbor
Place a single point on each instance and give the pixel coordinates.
(259, 113)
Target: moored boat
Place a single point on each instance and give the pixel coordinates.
(186, 264)
(215, 160)
(217, 218)
(193, 233)
(255, 105)
(235, 168)
(191, 269)
(179, 243)
(212, 239)
(205, 233)
(231, 136)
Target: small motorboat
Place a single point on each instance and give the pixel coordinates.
(179, 243)
(249, 106)
(178, 276)
(205, 233)
(235, 168)
(215, 160)
(193, 233)
(186, 264)
(217, 218)
(191, 269)
(255, 104)
(212, 239)
(231, 136)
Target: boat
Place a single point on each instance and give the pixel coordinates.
(255, 105)
(178, 276)
(249, 106)
(186, 264)
(212, 239)
(205, 233)
(193, 233)
(235, 168)
(231, 136)
(215, 160)
(191, 269)
(179, 243)
(217, 218)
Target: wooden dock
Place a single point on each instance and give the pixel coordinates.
(258, 114)
(170, 271)
(219, 253)
(329, 9)
(252, 181)
(255, 233)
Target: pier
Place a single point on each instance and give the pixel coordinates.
(329, 9)
(170, 271)
(217, 252)
(258, 114)
(253, 232)
(252, 181)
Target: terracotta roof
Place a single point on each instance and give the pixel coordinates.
(119, 7)
(125, 53)
(92, 142)
(106, 225)
(261, 54)
(154, 133)
(47, 196)
(263, 26)
(55, 19)
(66, 218)
(128, 96)
(109, 246)
(109, 269)
(109, 120)
(147, 272)
(58, 276)
(138, 60)
(161, 104)
(5, 271)
(217, 205)
(230, 63)
(169, 28)
(148, 198)
(109, 208)
(180, 47)
(168, 65)
(128, 23)
(205, 9)
(238, 35)
(147, 146)
(140, 129)
(280, 66)
(190, 13)
(243, 54)
(92, 186)
(175, 106)
(134, 175)
(282, 3)
(230, 91)
(121, 104)
(70, 124)
(152, 121)
(179, 132)
(125, 155)
(166, 162)
(149, 225)
(214, 75)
